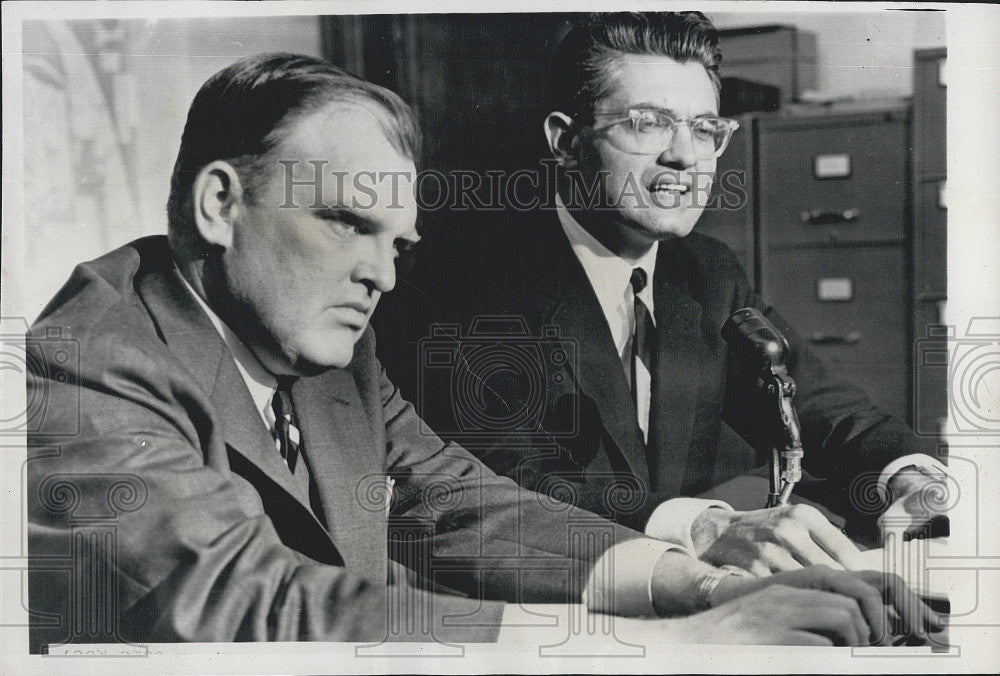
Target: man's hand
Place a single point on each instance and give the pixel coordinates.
(778, 615)
(919, 499)
(815, 606)
(770, 540)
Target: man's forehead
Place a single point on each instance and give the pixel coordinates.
(659, 81)
(349, 133)
(341, 154)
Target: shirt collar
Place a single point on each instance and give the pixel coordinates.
(608, 273)
(259, 380)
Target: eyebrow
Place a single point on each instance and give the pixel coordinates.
(647, 104)
(671, 111)
(345, 214)
(643, 104)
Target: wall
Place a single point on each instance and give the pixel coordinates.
(104, 106)
(88, 189)
(859, 54)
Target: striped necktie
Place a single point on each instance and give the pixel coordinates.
(644, 340)
(286, 433)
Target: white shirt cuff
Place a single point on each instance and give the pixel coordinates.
(622, 579)
(914, 459)
(672, 520)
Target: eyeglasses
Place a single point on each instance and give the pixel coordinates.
(650, 131)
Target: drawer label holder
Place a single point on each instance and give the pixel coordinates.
(832, 165)
(834, 289)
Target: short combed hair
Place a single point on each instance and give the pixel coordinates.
(584, 60)
(244, 111)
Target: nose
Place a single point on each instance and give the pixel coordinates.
(680, 152)
(376, 268)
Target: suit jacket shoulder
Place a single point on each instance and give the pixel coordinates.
(215, 541)
(149, 426)
(521, 265)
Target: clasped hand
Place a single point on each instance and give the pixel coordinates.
(812, 606)
(801, 593)
(766, 541)
(788, 537)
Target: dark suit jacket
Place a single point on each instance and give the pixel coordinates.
(160, 510)
(581, 440)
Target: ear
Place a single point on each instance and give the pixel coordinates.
(218, 194)
(563, 138)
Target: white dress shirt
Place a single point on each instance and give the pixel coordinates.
(623, 573)
(609, 276)
(261, 383)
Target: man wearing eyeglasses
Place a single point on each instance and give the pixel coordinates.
(648, 411)
(225, 459)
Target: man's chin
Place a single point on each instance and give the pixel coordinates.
(671, 229)
(659, 231)
(335, 353)
(306, 368)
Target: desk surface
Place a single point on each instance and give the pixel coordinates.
(573, 628)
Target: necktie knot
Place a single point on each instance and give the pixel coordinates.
(285, 383)
(638, 280)
(281, 402)
(286, 432)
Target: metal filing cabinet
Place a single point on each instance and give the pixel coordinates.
(930, 239)
(929, 111)
(833, 209)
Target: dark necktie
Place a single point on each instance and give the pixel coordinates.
(286, 432)
(644, 340)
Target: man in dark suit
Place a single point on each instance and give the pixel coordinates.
(224, 459)
(652, 408)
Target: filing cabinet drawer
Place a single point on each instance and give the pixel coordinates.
(930, 112)
(849, 307)
(833, 183)
(931, 241)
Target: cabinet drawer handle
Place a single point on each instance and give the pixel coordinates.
(851, 338)
(818, 217)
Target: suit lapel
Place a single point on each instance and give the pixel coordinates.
(566, 299)
(192, 337)
(343, 459)
(675, 383)
(245, 432)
